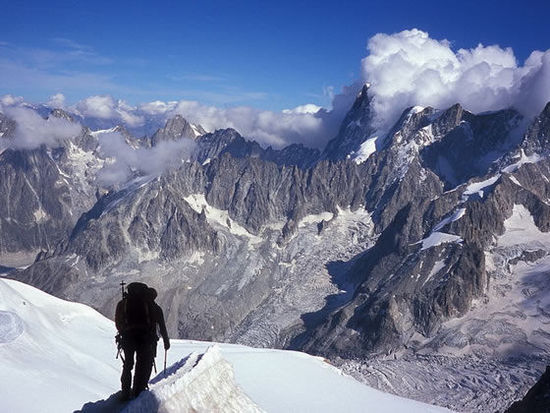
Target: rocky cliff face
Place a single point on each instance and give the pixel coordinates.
(436, 226)
(228, 141)
(45, 190)
(228, 235)
(35, 210)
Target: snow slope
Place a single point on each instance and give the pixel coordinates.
(59, 356)
(55, 354)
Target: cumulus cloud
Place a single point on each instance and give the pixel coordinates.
(307, 124)
(9, 100)
(33, 131)
(267, 127)
(57, 101)
(126, 161)
(105, 107)
(158, 107)
(307, 108)
(102, 107)
(410, 68)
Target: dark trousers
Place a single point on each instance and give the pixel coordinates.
(143, 352)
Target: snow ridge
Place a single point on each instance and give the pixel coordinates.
(198, 383)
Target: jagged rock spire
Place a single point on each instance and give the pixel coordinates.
(355, 129)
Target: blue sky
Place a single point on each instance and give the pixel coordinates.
(269, 56)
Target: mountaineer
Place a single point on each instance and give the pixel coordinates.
(137, 319)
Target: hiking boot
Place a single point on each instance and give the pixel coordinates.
(125, 395)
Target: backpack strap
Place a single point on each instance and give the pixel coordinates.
(147, 314)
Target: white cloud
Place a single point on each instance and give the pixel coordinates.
(151, 161)
(9, 100)
(304, 109)
(307, 124)
(105, 107)
(158, 107)
(102, 107)
(534, 88)
(57, 101)
(410, 68)
(33, 131)
(277, 129)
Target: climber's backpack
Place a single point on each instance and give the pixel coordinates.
(136, 316)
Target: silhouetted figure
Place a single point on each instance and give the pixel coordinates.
(137, 317)
(158, 316)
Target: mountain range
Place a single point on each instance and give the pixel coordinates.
(401, 256)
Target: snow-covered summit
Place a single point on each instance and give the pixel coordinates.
(60, 356)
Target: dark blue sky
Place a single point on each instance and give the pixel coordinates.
(228, 53)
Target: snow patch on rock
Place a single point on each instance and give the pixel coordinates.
(455, 216)
(217, 217)
(523, 159)
(366, 149)
(438, 238)
(315, 218)
(479, 187)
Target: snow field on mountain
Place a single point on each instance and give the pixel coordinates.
(57, 356)
(520, 229)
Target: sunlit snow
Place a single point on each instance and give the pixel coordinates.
(479, 187)
(366, 149)
(523, 159)
(59, 356)
(455, 216)
(438, 238)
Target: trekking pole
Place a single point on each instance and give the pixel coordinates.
(155, 366)
(165, 354)
(122, 284)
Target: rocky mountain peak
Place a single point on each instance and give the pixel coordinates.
(355, 129)
(362, 96)
(176, 128)
(61, 114)
(176, 125)
(412, 119)
(450, 119)
(222, 141)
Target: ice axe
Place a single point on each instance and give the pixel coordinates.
(122, 284)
